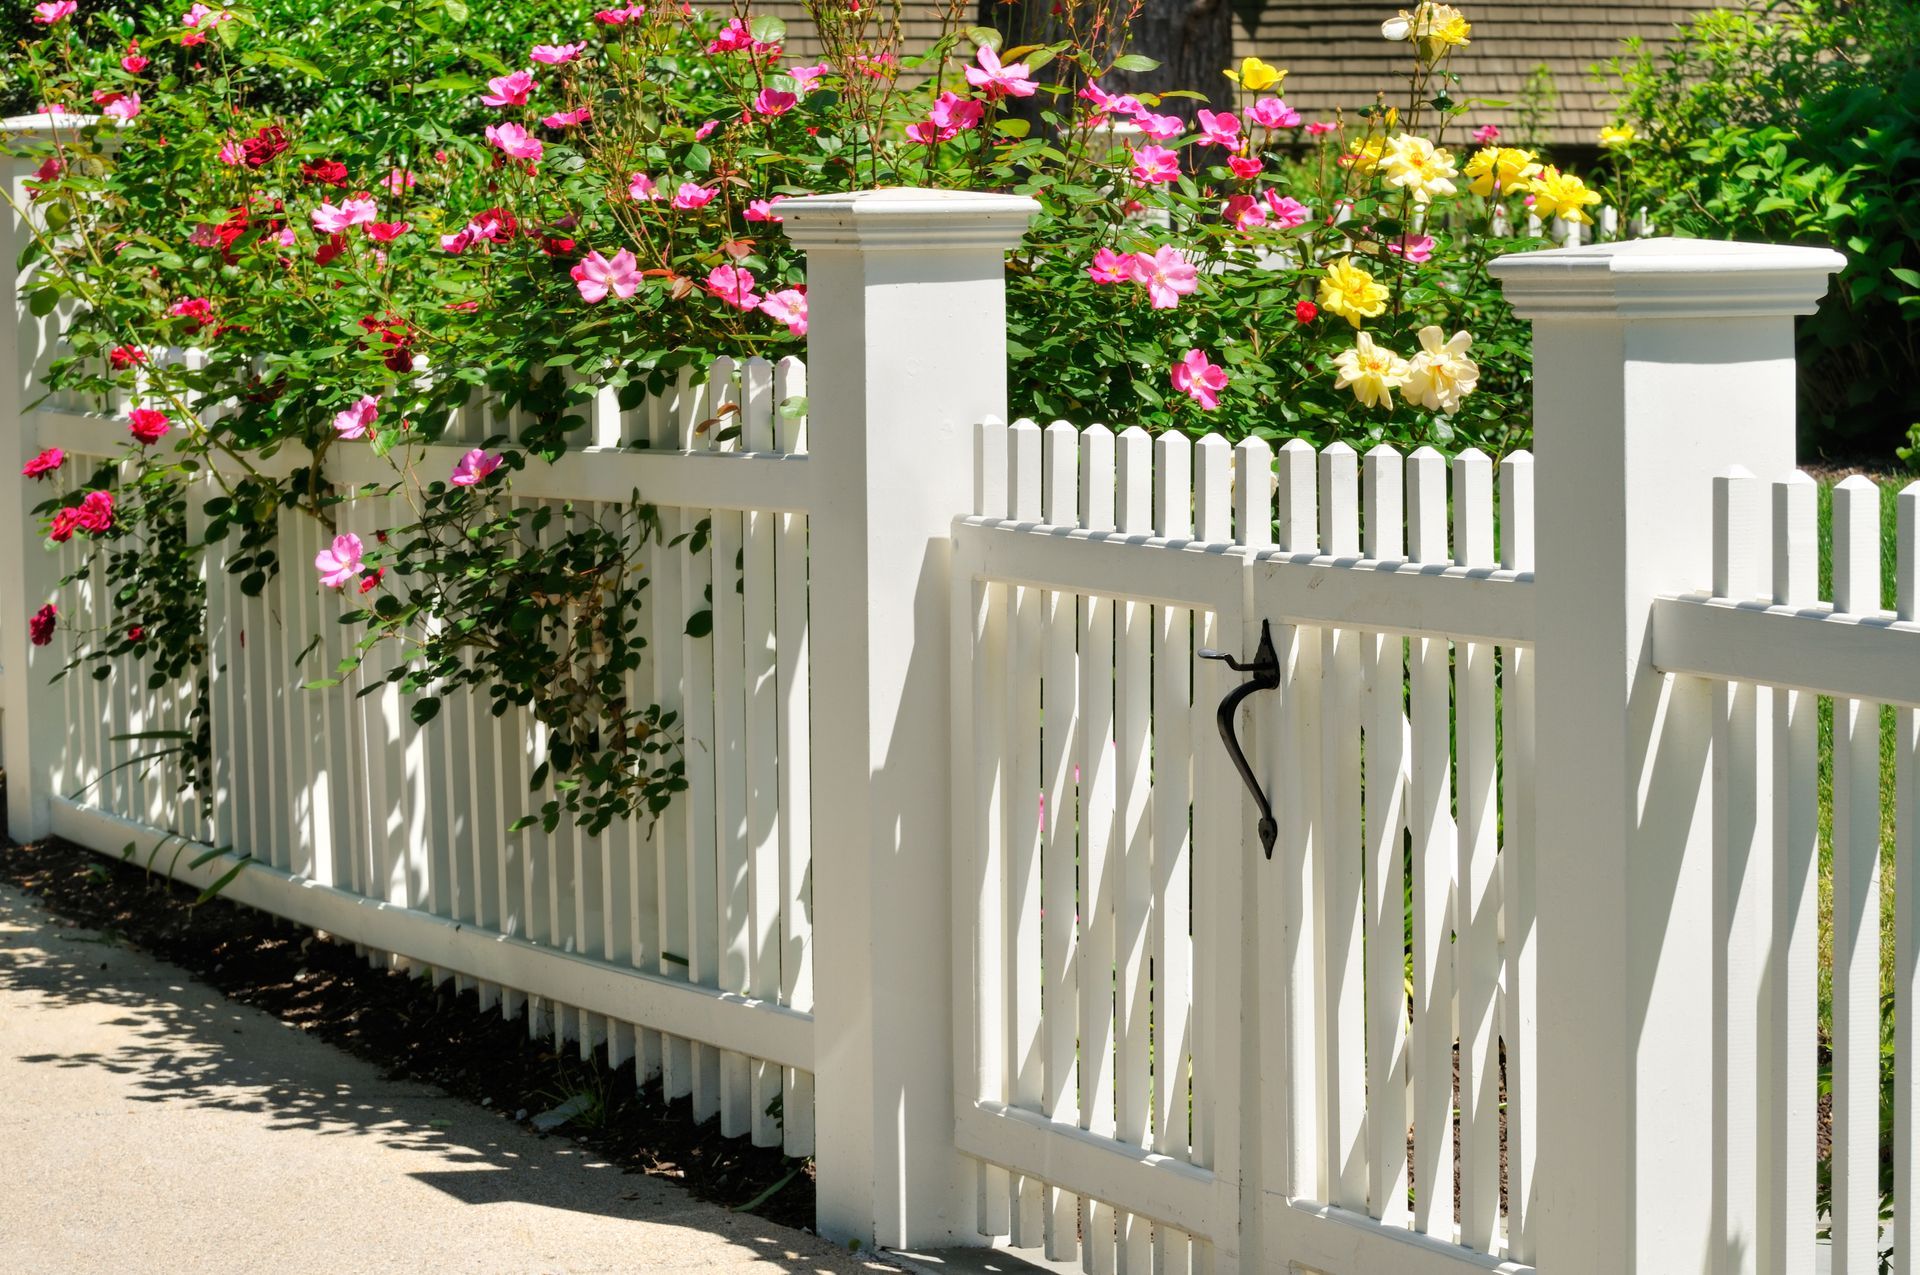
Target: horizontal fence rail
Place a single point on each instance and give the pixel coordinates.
(681, 946)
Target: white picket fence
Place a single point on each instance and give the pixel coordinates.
(966, 878)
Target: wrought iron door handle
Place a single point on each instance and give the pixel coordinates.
(1265, 668)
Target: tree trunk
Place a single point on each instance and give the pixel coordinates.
(1192, 40)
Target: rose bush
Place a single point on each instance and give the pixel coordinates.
(371, 223)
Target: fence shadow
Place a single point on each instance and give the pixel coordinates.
(177, 1041)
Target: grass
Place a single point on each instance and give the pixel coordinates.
(1889, 491)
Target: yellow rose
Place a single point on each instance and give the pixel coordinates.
(1558, 194)
(1441, 374)
(1364, 153)
(1417, 165)
(1350, 292)
(1611, 135)
(1504, 170)
(1256, 76)
(1373, 372)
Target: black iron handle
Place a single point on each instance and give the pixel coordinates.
(1265, 668)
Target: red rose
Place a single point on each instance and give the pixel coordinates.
(1306, 312)
(146, 425)
(327, 172)
(263, 147)
(40, 627)
(43, 464)
(125, 356)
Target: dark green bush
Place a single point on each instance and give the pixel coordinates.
(1797, 123)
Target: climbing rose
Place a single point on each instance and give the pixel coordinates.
(1350, 292)
(1155, 164)
(1373, 372)
(733, 286)
(997, 81)
(567, 119)
(515, 141)
(1166, 275)
(133, 63)
(1288, 212)
(339, 563)
(1557, 194)
(690, 196)
(1160, 128)
(1200, 379)
(772, 103)
(556, 54)
(125, 356)
(44, 464)
(40, 626)
(1105, 103)
(1272, 112)
(201, 14)
(1415, 248)
(472, 469)
(1486, 134)
(1245, 167)
(354, 422)
(329, 220)
(643, 188)
(762, 209)
(387, 231)
(93, 514)
(1110, 266)
(1320, 128)
(55, 11)
(1306, 312)
(788, 306)
(1222, 129)
(263, 147)
(510, 90)
(327, 172)
(398, 182)
(1244, 212)
(805, 77)
(596, 276)
(146, 425)
(1441, 374)
(124, 106)
(1255, 75)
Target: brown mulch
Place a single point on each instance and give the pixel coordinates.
(410, 1030)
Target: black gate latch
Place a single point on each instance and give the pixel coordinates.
(1265, 668)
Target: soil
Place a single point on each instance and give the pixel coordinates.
(411, 1030)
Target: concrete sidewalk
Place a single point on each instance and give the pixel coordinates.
(149, 1125)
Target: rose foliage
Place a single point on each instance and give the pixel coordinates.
(370, 224)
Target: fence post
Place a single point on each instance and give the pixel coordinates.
(31, 730)
(906, 352)
(1657, 364)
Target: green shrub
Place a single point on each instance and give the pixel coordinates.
(1800, 123)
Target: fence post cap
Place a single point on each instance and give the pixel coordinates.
(1667, 278)
(907, 218)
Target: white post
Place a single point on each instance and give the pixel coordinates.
(906, 352)
(1657, 365)
(32, 731)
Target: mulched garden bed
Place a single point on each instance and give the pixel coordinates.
(408, 1029)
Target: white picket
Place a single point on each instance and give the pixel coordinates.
(1476, 932)
(1173, 786)
(1428, 806)
(1107, 463)
(1856, 903)
(1025, 1060)
(1059, 689)
(1906, 898)
(1383, 677)
(792, 674)
(1519, 933)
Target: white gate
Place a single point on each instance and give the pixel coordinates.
(1167, 1042)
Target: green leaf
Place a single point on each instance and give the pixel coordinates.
(700, 624)
(1135, 62)
(767, 29)
(226, 879)
(425, 710)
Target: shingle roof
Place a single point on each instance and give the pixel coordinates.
(1336, 57)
